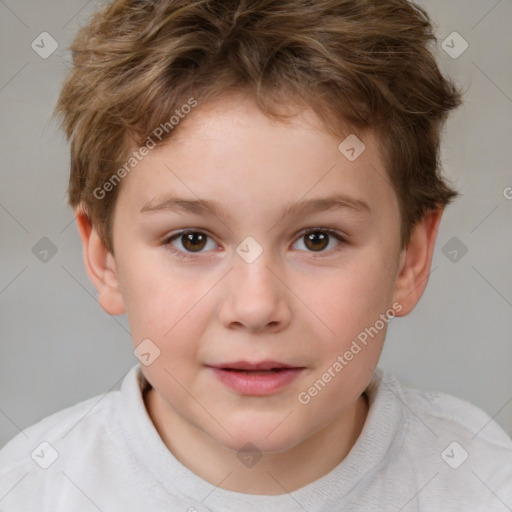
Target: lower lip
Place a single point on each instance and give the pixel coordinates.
(257, 383)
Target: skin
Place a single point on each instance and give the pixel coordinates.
(293, 304)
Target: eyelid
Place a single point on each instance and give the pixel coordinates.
(182, 254)
(342, 239)
(331, 232)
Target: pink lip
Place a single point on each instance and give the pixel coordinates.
(252, 382)
(259, 365)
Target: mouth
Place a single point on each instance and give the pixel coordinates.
(256, 378)
(254, 367)
(255, 372)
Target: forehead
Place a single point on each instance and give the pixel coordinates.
(229, 152)
(235, 118)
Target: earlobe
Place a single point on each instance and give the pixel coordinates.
(100, 266)
(416, 261)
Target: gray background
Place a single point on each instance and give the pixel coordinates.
(58, 347)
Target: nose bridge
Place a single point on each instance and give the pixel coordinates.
(255, 276)
(252, 263)
(255, 297)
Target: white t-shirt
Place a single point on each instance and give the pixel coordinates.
(417, 451)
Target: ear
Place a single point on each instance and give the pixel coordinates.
(415, 262)
(100, 266)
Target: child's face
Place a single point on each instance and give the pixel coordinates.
(301, 302)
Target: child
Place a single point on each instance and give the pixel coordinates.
(295, 144)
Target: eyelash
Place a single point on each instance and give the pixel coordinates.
(185, 255)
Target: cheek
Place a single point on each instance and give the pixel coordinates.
(171, 314)
(161, 305)
(351, 299)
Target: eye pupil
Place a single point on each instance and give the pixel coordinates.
(194, 241)
(318, 239)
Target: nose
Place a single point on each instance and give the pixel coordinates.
(255, 297)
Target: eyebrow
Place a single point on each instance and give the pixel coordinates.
(302, 207)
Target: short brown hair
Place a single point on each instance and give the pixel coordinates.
(359, 63)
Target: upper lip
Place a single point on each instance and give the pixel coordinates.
(259, 365)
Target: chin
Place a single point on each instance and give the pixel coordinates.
(263, 435)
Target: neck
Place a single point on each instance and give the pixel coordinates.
(273, 473)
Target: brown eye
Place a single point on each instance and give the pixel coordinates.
(194, 241)
(191, 242)
(318, 240)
